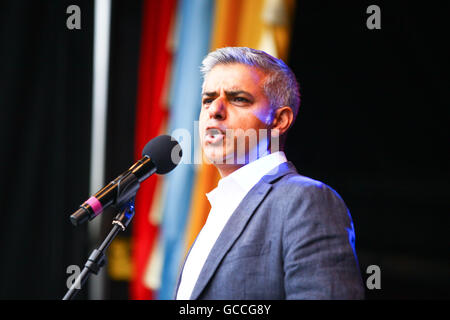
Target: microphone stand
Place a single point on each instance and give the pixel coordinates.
(97, 259)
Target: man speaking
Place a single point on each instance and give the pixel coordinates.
(271, 232)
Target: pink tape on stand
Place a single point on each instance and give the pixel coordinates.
(95, 205)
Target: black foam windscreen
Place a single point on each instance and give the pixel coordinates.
(165, 153)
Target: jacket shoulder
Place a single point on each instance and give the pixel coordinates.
(297, 184)
(301, 197)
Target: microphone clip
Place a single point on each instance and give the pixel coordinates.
(123, 218)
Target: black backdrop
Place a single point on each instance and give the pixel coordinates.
(373, 124)
(126, 19)
(45, 99)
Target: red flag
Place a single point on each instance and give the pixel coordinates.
(151, 116)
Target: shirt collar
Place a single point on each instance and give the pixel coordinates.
(240, 182)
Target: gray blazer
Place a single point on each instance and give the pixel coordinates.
(291, 237)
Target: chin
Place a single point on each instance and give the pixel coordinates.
(212, 156)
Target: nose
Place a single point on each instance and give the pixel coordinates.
(217, 109)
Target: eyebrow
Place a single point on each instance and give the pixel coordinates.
(229, 93)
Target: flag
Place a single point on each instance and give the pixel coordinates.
(263, 25)
(193, 44)
(151, 117)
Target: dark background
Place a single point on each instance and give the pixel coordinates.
(45, 100)
(373, 124)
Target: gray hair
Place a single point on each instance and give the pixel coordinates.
(280, 86)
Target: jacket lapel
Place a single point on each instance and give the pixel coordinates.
(236, 225)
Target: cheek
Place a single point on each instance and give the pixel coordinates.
(201, 115)
(201, 122)
(262, 117)
(249, 121)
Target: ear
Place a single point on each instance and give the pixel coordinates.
(282, 120)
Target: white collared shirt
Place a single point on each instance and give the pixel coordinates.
(224, 200)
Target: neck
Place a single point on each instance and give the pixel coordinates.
(227, 169)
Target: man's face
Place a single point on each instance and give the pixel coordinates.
(234, 109)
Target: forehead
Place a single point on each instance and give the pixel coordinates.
(234, 77)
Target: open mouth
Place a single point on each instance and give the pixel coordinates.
(213, 136)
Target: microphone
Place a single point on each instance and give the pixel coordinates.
(161, 155)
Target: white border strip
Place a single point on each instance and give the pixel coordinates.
(102, 14)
